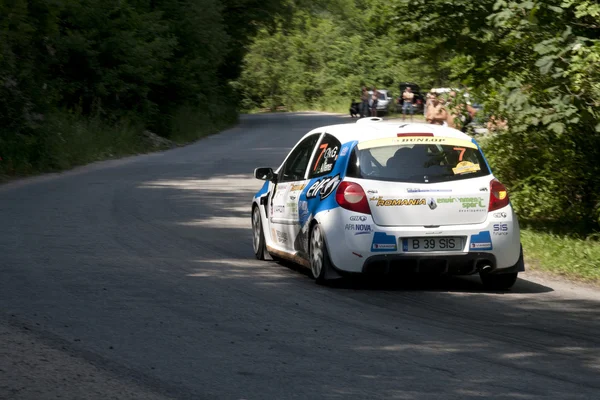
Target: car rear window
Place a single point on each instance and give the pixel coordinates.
(417, 160)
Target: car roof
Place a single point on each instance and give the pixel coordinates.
(375, 128)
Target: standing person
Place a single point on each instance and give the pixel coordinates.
(408, 97)
(374, 98)
(428, 101)
(460, 113)
(364, 102)
(436, 112)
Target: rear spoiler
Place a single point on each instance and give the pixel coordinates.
(369, 120)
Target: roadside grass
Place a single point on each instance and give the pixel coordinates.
(565, 255)
(67, 140)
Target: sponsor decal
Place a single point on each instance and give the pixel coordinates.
(293, 207)
(323, 187)
(383, 242)
(411, 140)
(499, 215)
(412, 190)
(279, 193)
(361, 218)
(282, 237)
(372, 191)
(359, 229)
(481, 241)
(465, 167)
(483, 189)
(280, 209)
(344, 151)
(326, 168)
(500, 229)
(295, 188)
(328, 156)
(381, 202)
(303, 211)
(470, 204)
(331, 152)
(408, 140)
(292, 197)
(431, 203)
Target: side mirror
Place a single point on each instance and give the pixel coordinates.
(264, 173)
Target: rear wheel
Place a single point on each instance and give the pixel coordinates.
(319, 257)
(258, 237)
(503, 281)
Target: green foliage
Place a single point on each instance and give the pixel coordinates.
(550, 100)
(534, 64)
(108, 61)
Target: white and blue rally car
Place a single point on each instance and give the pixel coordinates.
(380, 197)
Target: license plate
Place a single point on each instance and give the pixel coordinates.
(452, 243)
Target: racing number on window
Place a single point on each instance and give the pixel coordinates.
(462, 152)
(323, 147)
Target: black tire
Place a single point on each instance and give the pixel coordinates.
(503, 281)
(258, 236)
(318, 255)
(498, 281)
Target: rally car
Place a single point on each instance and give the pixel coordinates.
(376, 197)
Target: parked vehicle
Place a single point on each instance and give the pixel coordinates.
(384, 101)
(378, 197)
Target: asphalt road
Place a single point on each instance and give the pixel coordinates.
(135, 279)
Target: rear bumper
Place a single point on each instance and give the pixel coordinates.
(460, 264)
(356, 244)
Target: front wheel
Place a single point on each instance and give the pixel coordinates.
(258, 237)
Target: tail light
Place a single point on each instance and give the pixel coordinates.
(498, 195)
(351, 196)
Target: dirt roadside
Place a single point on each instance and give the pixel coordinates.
(32, 369)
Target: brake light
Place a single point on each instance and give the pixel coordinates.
(351, 196)
(498, 195)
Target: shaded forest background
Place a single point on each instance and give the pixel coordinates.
(82, 80)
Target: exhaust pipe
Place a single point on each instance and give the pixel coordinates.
(484, 266)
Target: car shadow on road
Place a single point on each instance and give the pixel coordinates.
(420, 282)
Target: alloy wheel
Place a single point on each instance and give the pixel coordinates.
(316, 252)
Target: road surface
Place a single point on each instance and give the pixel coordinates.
(135, 279)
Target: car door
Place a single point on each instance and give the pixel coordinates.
(291, 179)
(320, 170)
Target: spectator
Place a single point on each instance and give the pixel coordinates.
(364, 102)
(428, 101)
(374, 98)
(408, 97)
(436, 112)
(354, 109)
(495, 124)
(460, 113)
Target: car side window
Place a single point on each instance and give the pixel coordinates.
(325, 157)
(295, 165)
